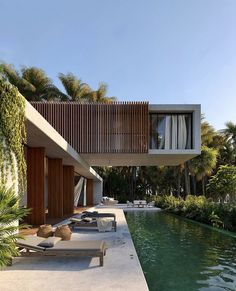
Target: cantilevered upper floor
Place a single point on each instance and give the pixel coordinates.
(127, 133)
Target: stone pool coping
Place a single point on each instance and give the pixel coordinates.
(121, 271)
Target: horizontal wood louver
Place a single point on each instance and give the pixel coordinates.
(120, 127)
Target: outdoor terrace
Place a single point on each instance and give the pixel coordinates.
(121, 270)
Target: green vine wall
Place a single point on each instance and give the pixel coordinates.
(12, 135)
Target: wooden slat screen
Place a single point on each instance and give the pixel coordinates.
(120, 127)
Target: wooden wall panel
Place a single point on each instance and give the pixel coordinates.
(89, 192)
(68, 190)
(100, 128)
(35, 185)
(55, 188)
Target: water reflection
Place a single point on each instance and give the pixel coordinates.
(180, 255)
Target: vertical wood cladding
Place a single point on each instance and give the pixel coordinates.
(100, 128)
(89, 192)
(55, 188)
(35, 185)
(68, 190)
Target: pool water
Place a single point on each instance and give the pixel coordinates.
(180, 255)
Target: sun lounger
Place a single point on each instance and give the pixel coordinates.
(129, 204)
(151, 204)
(95, 214)
(140, 203)
(108, 201)
(143, 203)
(88, 219)
(30, 247)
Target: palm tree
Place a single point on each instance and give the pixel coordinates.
(209, 139)
(75, 89)
(207, 132)
(230, 133)
(229, 149)
(203, 165)
(42, 86)
(99, 96)
(227, 155)
(14, 77)
(32, 83)
(10, 212)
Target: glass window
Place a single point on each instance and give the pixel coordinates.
(170, 131)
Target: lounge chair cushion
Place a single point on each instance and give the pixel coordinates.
(88, 213)
(75, 219)
(79, 246)
(50, 242)
(87, 219)
(104, 224)
(31, 242)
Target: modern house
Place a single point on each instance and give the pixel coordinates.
(65, 139)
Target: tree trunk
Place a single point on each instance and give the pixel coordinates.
(194, 185)
(186, 177)
(131, 182)
(134, 180)
(178, 182)
(203, 186)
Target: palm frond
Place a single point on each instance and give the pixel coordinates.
(75, 89)
(10, 213)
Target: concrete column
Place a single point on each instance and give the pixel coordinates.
(55, 188)
(35, 185)
(68, 190)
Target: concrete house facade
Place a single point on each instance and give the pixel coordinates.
(66, 139)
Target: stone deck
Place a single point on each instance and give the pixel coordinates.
(121, 271)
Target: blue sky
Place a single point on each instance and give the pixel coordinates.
(161, 51)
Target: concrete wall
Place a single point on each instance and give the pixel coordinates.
(97, 192)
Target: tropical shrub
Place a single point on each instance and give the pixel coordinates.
(201, 209)
(223, 183)
(10, 214)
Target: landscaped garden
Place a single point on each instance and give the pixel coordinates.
(199, 208)
(210, 177)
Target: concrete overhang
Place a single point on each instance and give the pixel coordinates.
(174, 108)
(41, 134)
(153, 158)
(156, 157)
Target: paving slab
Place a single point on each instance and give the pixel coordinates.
(121, 270)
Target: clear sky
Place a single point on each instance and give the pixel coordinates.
(161, 51)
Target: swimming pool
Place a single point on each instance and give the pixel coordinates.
(180, 255)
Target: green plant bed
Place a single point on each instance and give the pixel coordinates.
(198, 208)
(220, 230)
(10, 213)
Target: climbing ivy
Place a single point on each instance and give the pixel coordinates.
(12, 135)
